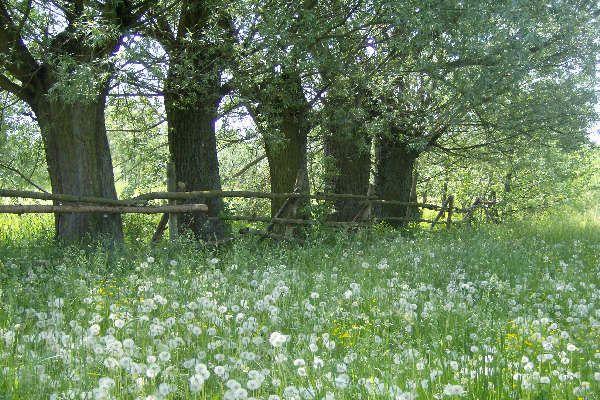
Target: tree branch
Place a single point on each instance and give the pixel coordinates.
(23, 65)
(14, 88)
(245, 168)
(22, 176)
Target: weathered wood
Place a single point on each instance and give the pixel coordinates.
(450, 210)
(81, 209)
(365, 213)
(289, 208)
(174, 195)
(491, 210)
(469, 211)
(161, 228)
(440, 214)
(269, 195)
(254, 218)
(67, 198)
(172, 187)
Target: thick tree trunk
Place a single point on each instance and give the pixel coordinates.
(193, 147)
(395, 164)
(192, 96)
(79, 162)
(286, 155)
(347, 144)
(350, 158)
(283, 119)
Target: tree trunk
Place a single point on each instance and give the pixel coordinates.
(350, 156)
(282, 115)
(395, 164)
(192, 95)
(191, 116)
(347, 148)
(79, 162)
(347, 144)
(287, 158)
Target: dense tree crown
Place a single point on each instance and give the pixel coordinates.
(390, 98)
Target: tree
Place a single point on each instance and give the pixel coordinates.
(445, 71)
(64, 78)
(280, 110)
(193, 90)
(268, 75)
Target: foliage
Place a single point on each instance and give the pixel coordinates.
(21, 153)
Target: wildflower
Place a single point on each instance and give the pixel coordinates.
(196, 331)
(202, 370)
(196, 383)
(291, 392)
(164, 356)
(318, 362)
(299, 362)
(152, 371)
(453, 390)
(94, 330)
(277, 339)
(164, 389)
(342, 381)
(106, 383)
(253, 384)
(111, 363)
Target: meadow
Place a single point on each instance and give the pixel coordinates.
(508, 311)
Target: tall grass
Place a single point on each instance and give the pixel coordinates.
(507, 311)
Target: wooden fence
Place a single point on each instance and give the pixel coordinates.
(285, 218)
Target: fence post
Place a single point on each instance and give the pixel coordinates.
(471, 211)
(440, 213)
(172, 187)
(450, 210)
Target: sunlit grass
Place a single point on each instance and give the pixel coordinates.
(506, 311)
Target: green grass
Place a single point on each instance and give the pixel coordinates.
(496, 312)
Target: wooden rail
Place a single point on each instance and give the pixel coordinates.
(173, 195)
(82, 208)
(66, 198)
(65, 203)
(269, 195)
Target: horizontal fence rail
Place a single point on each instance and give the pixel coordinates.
(66, 203)
(144, 198)
(297, 221)
(79, 208)
(66, 198)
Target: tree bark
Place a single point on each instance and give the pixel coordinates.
(350, 155)
(286, 156)
(282, 116)
(191, 116)
(192, 95)
(395, 163)
(79, 161)
(347, 150)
